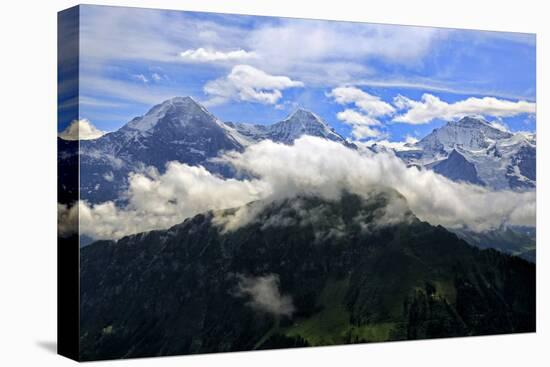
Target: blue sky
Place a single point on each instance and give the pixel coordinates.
(369, 81)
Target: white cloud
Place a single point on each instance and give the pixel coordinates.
(433, 85)
(246, 83)
(150, 35)
(361, 124)
(431, 107)
(81, 129)
(156, 77)
(364, 132)
(265, 295)
(294, 169)
(141, 78)
(500, 125)
(211, 55)
(314, 51)
(109, 176)
(319, 43)
(130, 91)
(353, 117)
(372, 105)
(160, 201)
(313, 166)
(368, 109)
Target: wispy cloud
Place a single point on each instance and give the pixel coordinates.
(141, 78)
(210, 55)
(97, 102)
(129, 91)
(433, 85)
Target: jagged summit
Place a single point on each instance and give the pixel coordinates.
(303, 114)
(178, 129)
(298, 123)
(183, 108)
(470, 121)
(302, 122)
(468, 132)
(306, 119)
(473, 150)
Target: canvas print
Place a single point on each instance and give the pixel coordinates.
(238, 183)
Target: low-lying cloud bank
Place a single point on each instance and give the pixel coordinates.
(310, 166)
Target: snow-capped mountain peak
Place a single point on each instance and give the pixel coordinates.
(468, 133)
(300, 122)
(305, 117)
(489, 156)
(81, 129)
(181, 109)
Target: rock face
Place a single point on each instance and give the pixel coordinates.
(457, 168)
(502, 160)
(333, 272)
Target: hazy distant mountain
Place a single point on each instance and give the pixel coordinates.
(518, 241)
(306, 272)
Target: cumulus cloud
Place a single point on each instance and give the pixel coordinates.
(265, 295)
(81, 129)
(372, 105)
(361, 124)
(365, 132)
(353, 117)
(310, 166)
(368, 109)
(211, 55)
(431, 107)
(246, 83)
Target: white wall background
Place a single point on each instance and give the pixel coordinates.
(28, 182)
